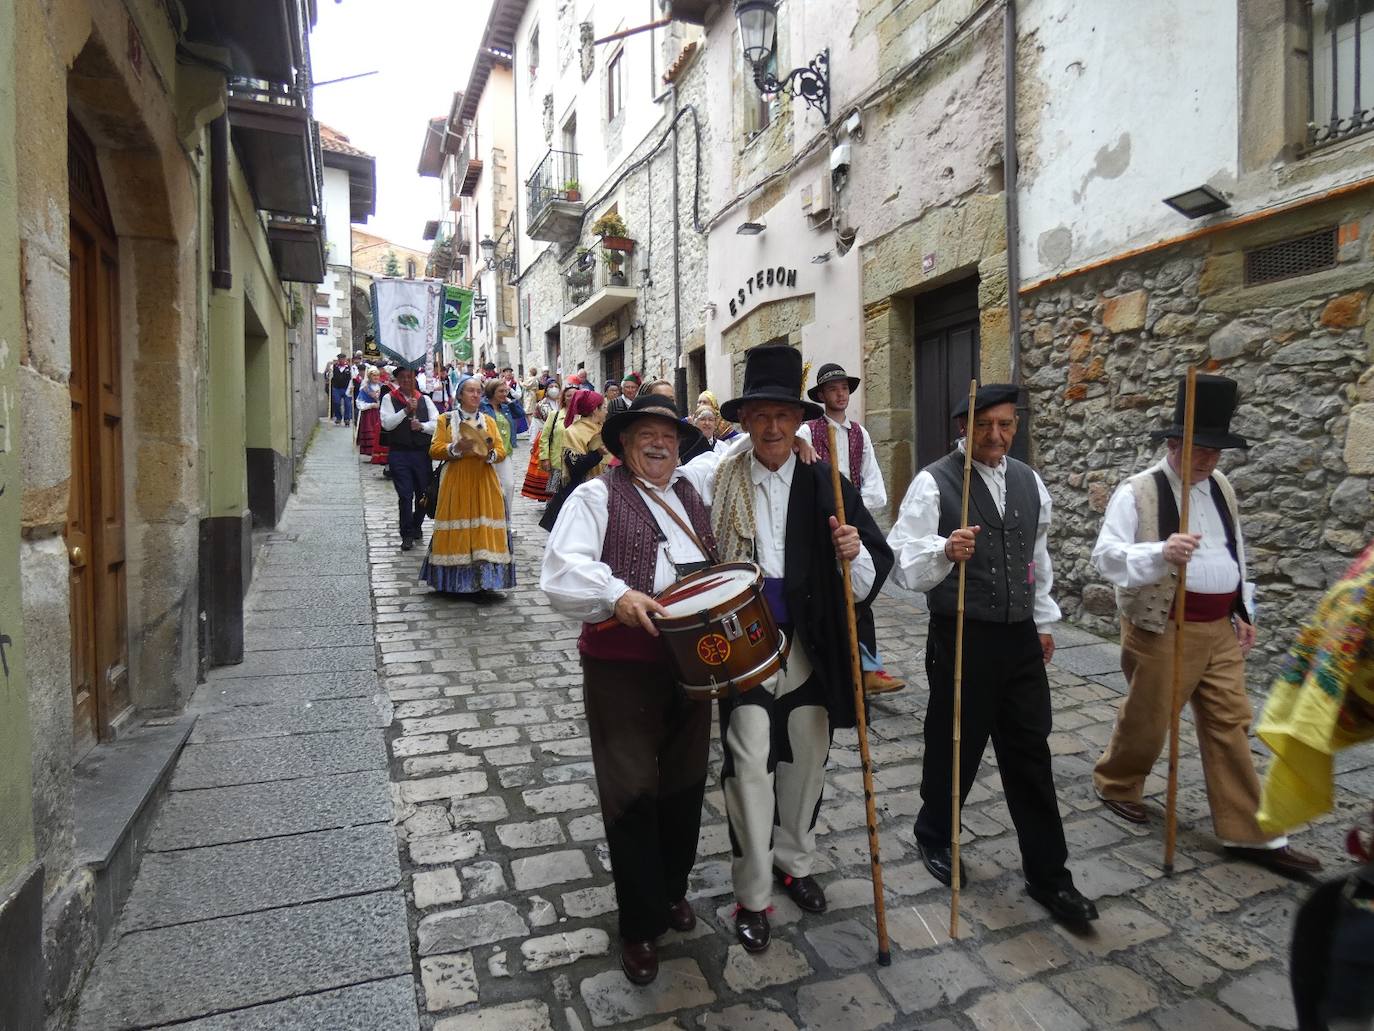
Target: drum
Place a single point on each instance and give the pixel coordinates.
(720, 631)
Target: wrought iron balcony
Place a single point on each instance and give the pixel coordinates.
(555, 199)
(594, 289)
(468, 169)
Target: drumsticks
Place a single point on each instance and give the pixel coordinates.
(954, 828)
(1180, 605)
(870, 811)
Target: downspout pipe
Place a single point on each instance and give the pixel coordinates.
(679, 371)
(1021, 445)
(221, 276)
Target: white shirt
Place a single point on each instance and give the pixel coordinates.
(873, 491)
(919, 550)
(1128, 563)
(392, 417)
(579, 585)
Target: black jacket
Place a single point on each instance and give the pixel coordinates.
(814, 585)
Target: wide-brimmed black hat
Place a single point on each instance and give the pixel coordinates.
(651, 405)
(829, 373)
(989, 394)
(772, 372)
(1214, 405)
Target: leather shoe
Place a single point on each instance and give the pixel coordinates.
(804, 891)
(752, 930)
(1067, 905)
(1287, 860)
(406, 544)
(940, 863)
(880, 681)
(1131, 812)
(681, 917)
(639, 960)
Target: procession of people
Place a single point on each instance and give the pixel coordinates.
(647, 502)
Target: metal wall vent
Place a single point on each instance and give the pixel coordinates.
(1289, 258)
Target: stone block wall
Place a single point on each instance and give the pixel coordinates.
(1102, 353)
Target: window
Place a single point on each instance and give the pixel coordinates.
(615, 86)
(1342, 69)
(410, 268)
(532, 48)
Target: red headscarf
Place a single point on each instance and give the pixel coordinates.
(583, 402)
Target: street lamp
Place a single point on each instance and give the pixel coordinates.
(488, 248)
(758, 26)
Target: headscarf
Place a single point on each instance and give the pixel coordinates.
(584, 402)
(708, 398)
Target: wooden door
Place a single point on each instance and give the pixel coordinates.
(95, 514)
(946, 359)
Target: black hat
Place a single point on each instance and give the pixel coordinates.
(772, 372)
(1214, 405)
(829, 372)
(989, 394)
(653, 405)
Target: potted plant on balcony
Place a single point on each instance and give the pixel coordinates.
(614, 260)
(611, 228)
(572, 190)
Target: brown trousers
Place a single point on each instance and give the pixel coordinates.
(1214, 680)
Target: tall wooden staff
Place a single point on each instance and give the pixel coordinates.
(1180, 605)
(875, 863)
(954, 828)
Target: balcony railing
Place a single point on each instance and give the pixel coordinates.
(468, 169)
(554, 183)
(593, 289)
(1342, 70)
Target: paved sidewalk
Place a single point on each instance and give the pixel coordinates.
(269, 896)
(506, 865)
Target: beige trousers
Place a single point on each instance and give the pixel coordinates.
(1214, 680)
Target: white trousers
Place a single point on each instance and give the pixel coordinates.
(776, 755)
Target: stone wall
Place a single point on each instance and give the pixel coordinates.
(1102, 353)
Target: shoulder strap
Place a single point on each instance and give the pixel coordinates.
(682, 525)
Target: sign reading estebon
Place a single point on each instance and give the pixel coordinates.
(759, 281)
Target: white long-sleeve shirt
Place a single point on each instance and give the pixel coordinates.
(919, 550)
(872, 489)
(579, 585)
(1126, 562)
(393, 417)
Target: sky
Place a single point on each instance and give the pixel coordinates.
(422, 51)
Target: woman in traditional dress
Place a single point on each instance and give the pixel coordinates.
(368, 405)
(551, 446)
(495, 404)
(380, 452)
(725, 431)
(584, 419)
(469, 550)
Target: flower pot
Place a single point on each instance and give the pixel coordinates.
(617, 277)
(572, 194)
(617, 243)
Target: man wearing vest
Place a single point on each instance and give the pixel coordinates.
(409, 419)
(859, 465)
(1008, 613)
(614, 546)
(340, 376)
(1140, 550)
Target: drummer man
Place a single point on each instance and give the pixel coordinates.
(770, 508)
(613, 547)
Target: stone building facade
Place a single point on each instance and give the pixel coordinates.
(146, 300)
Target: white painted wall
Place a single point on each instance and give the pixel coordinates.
(337, 211)
(1140, 101)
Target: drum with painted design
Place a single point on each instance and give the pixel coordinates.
(720, 630)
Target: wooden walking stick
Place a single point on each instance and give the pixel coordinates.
(959, 675)
(875, 863)
(1180, 605)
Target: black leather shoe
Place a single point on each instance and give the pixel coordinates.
(940, 863)
(804, 891)
(681, 917)
(1067, 905)
(752, 930)
(406, 544)
(639, 960)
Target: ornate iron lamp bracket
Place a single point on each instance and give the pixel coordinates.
(811, 83)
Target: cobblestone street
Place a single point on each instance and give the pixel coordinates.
(512, 909)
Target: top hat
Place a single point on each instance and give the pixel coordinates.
(828, 373)
(772, 372)
(1214, 405)
(645, 405)
(989, 394)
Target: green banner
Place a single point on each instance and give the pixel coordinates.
(457, 316)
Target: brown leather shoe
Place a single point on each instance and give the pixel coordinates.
(681, 917)
(1131, 812)
(804, 891)
(639, 960)
(752, 930)
(1287, 860)
(880, 681)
